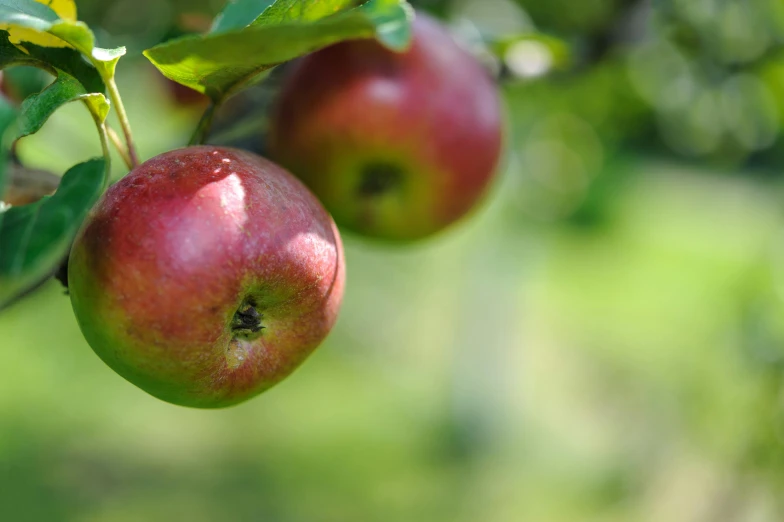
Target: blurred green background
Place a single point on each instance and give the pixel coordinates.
(602, 341)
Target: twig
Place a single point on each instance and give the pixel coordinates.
(118, 144)
(203, 130)
(114, 95)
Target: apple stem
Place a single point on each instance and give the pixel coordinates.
(202, 132)
(104, 135)
(125, 124)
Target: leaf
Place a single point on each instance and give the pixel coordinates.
(8, 115)
(65, 9)
(393, 26)
(243, 13)
(282, 11)
(76, 80)
(218, 64)
(40, 19)
(51, 59)
(239, 14)
(35, 238)
(27, 13)
(39, 107)
(73, 73)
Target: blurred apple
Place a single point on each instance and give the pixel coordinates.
(396, 145)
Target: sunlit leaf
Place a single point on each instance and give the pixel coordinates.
(282, 11)
(218, 64)
(239, 14)
(242, 13)
(64, 9)
(39, 18)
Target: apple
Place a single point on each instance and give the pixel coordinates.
(206, 275)
(396, 145)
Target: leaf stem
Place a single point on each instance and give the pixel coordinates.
(104, 135)
(114, 95)
(118, 144)
(202, 132)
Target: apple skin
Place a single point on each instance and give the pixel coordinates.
(182, 262)
(396, 145)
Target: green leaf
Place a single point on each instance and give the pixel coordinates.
(51, 59)
(37, 108)
(30, 14)
(242, 13)
(392, 22)
(218, 64)
(239, 14)
(63, 59)
(73, 74)
(35, 238)
(8, 115)
(41, 18)
(76, 80)
(282, 11)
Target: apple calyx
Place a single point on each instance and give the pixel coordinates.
(379, 178)
(246, 323)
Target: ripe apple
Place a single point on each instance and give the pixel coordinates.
(396, 145)
(206, 275)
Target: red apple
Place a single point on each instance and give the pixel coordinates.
(206, 275)
(396, 146)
